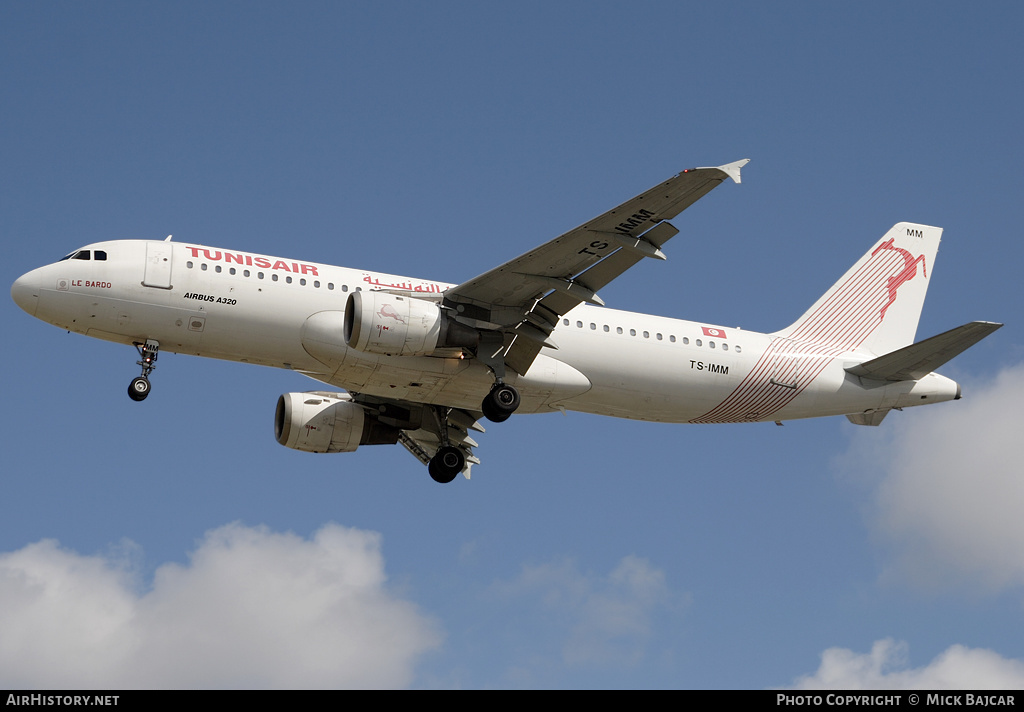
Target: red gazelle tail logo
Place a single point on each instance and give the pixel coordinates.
(908, 272)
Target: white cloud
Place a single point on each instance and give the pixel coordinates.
(950, 485)
(885, 668)
(600, 620)
(253, 608)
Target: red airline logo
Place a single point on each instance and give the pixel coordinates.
(389, 311)
(909, 271)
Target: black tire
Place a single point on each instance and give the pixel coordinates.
(139, 388)
(500, 403)
(446, 464)
(491, 412)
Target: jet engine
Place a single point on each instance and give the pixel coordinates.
(383, 323)
(314, 422)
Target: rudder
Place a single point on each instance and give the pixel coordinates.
(877, 304)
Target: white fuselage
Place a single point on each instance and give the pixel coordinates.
(289, 314)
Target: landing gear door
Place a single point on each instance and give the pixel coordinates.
(158, 265)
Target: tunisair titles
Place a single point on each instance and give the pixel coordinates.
(241, 258)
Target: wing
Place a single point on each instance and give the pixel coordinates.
(524, 298)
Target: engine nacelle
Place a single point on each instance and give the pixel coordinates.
(382, 323)
(314, 422)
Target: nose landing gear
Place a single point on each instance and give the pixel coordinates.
(139, 388)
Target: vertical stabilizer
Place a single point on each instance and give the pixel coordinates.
(877, 303)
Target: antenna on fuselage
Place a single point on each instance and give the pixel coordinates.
(168, 238)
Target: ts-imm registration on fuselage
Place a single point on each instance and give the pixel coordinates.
(423, 362)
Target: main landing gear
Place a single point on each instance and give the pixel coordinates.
(449, 460)
(500, 403)
(139, 388)
(446, 464)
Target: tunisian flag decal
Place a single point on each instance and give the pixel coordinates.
(711, 331)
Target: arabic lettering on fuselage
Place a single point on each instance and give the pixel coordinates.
(428, 287)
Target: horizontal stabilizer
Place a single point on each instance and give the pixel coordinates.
(918, 360)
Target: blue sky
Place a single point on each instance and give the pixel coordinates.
(173, 543)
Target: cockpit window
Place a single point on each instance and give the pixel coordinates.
(84, 255)
(99, 255)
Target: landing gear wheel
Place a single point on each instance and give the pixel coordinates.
(148, 351)
(500, 403)
(139, 388)
(492, 414)
(446, 464)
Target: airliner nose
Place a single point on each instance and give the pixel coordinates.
(25, 293)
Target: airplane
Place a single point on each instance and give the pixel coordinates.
(422, 362)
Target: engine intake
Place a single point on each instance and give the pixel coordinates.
(314, 422)
(382, 323)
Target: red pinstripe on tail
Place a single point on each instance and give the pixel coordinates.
(874, 308)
